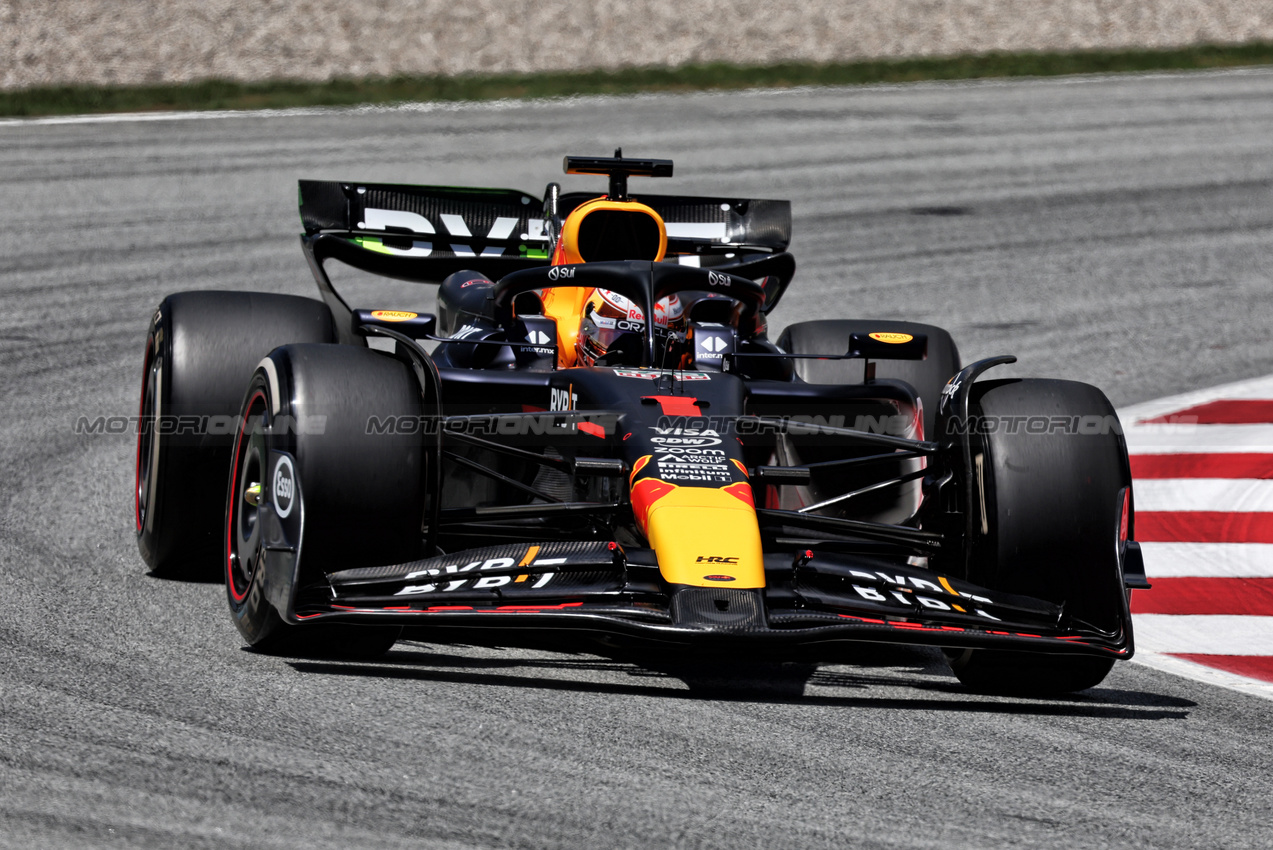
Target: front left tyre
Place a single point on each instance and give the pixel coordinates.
(319, 482)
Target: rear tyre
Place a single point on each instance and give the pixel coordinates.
(355, 496)
(831, 336)
(1053, 474)
(200, 352)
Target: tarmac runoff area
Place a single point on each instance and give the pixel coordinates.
(1111, 230)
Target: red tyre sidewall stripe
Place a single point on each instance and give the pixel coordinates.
(234, 498)
(141, 411)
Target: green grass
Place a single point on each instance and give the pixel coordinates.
(221, 94)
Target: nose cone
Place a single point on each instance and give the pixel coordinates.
(704, 536)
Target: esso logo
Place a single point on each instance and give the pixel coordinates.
(561, 273)
(717, 279)
(891, 338)
(284, 487)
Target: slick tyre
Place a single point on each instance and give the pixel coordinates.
(201, 349)
(1053, 477)
(314, 489)
(827, 336)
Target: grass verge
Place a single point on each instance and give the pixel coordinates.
(222, 94)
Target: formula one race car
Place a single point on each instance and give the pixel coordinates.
(595, 435)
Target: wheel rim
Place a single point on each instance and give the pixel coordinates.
(147, 423)
(243, 528)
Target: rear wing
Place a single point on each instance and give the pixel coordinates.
(705, 226)
(496, 231)
(426, 233)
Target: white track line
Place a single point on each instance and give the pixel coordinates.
(1205, 634)
(1202, 673)
(1197, 439)
(1232, 495)
(1219, 560)
(1254, 388)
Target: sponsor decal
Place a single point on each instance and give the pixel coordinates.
(538, 338)
(451, 578)
(695, 442)
(378, 219)
(658, 373)
(718, 577)
(685, 436)
(712, 462)
(561, 273)
(715, 559)
(536, 230)
(393, 315)
(563, 399)
(717, 279)
(480, 583)
(481, 280)
(908, 591)
(665, 309)
(892, 338)
(712, 346)
(284, 487)
(704, 475)
(693, 450)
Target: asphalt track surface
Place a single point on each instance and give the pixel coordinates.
(1115, 230)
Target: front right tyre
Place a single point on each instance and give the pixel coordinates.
(201, 349)
(1053, 480)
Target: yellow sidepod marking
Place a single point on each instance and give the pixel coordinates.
(702, 531)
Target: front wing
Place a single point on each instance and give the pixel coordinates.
(811, 599)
